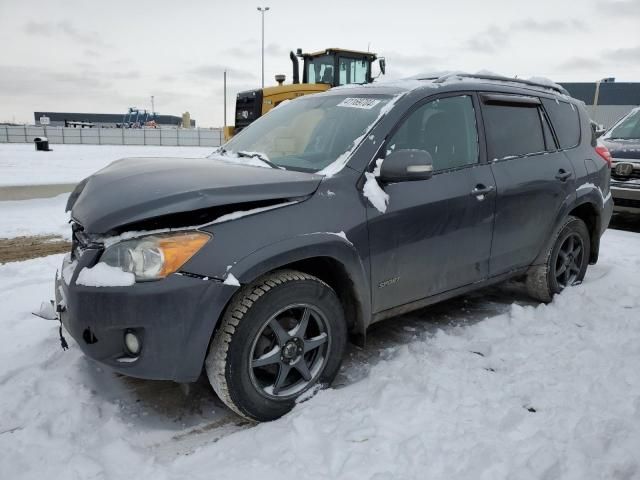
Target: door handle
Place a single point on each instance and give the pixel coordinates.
(563, 175)
(482, 190)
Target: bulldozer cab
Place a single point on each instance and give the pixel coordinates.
(336, 67)
(321, 71)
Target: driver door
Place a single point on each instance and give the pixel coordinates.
(435, 234)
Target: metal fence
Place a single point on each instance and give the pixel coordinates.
(197, 137)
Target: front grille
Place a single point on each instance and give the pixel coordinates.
(248, 107)
(634, 173)
(626, 202)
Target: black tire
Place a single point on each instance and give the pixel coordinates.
(561, 270)
(260, 313)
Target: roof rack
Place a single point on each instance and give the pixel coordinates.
(500, 78)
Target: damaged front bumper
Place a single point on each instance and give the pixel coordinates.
(173, 318)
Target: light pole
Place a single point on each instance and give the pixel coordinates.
(262, 11)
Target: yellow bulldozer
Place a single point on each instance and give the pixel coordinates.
(321, 71)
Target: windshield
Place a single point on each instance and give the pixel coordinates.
(628, 128)
(309, 133)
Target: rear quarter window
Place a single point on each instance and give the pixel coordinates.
(565, 120)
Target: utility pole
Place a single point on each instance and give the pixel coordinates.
(225, 98)
(153, 107)
(595, 101)
(262, 11)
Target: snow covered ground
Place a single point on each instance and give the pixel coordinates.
(488, 386)
(20, 164)
(40, 216)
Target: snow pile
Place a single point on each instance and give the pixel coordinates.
(547, 82)
(103, 275)
(373, 191)
(46, 311)
(342, 235)
(20, 164)
(244, 213)
(231, 280)
(41, 216)
(548, 391)
(248, 158)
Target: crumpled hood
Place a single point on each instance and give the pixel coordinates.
(136, 189)
(623, 149)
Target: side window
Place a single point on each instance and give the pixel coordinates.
(446, 128)
(513, 130)
(565, 120)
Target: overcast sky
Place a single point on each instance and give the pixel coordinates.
(104, 56)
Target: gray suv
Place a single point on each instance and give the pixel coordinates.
(330, 213)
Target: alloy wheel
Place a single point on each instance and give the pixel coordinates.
(289, 351)
(569, 261)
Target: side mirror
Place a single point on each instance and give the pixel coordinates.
(598, 130)
(383, 64)
(406, 166)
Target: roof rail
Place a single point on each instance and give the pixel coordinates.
(500, 78)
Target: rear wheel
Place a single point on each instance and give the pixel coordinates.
(566, 262)
(281, 336)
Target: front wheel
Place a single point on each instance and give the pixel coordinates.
(566, 262)
(280, 336)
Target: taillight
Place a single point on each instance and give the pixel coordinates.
(604, 153)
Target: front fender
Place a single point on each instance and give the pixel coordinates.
(309, 246)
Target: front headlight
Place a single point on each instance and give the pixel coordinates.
(155, 256)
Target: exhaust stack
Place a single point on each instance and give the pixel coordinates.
(296, 71)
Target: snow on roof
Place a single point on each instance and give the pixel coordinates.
(439, 78)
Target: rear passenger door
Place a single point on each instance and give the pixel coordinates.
(533, 178)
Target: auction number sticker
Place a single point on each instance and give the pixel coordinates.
(354, 102)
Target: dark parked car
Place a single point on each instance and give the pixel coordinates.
(623, 142)
(330, 213)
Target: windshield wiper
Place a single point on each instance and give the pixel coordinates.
(260, 157)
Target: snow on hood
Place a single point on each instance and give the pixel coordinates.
(248, 158)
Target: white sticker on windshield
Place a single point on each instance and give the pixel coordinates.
(353, 102)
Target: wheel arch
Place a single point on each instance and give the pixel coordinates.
(589, 214)
(327, 256)
(585, 208)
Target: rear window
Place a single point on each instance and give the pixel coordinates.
(565, 120)
(513, 130)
